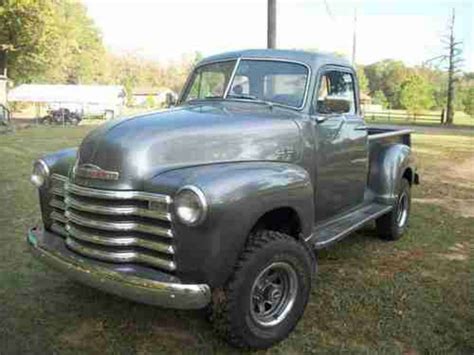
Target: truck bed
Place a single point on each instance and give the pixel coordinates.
(379, 134)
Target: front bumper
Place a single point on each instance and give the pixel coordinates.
(137, 283)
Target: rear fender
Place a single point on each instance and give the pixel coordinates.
(387, 166)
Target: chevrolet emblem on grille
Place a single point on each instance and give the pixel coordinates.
(91, 171)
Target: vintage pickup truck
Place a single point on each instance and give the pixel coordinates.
(221, 201)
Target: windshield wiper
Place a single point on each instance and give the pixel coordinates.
(251, 98)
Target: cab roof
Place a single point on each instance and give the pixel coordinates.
(312, 59)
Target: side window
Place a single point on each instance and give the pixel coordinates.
(335, 93)
(240, 85)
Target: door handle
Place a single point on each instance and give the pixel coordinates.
(320, 119)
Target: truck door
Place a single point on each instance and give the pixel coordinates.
(341, 146)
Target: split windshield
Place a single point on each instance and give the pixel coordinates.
(270, 81)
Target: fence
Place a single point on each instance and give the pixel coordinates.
(403, 116)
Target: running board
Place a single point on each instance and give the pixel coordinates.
(333, 231)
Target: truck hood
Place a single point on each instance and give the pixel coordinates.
(141, 147)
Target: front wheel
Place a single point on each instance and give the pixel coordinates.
(267, 295)
(394, 224)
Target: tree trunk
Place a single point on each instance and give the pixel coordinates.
(452, 45)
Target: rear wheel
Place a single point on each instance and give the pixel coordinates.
(267, 295)
(394, 224)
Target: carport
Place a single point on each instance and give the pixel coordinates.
(94, 100)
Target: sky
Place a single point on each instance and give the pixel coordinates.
(165, 30)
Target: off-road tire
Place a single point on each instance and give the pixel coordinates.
(231, 314)
(388, 226)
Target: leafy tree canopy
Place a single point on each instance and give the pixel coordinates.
(50, 40)
(416, 94)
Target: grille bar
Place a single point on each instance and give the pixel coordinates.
(115, 210)
(116, 195)
(120, 257)
(57, 184)
(56, 216)
(123, 241)
(125, 226)
(113, 226)
(57, 203)
(59, 228)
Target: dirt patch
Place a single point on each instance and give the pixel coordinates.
(89, 331)
(463, 173)
(461, 207)
(454, 171)
(458, 252)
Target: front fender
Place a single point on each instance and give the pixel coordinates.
(387, 166)
(60, 162)
(238, 194)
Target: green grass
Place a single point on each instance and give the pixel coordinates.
(411, 296)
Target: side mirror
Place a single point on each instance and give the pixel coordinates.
(170, 100)
(336, 105)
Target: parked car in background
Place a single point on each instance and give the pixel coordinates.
(61, 116)
(221, 201)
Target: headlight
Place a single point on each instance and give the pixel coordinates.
(190, 205)
(40, 173)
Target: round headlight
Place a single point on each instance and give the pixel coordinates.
(40, 173)
(190, 205)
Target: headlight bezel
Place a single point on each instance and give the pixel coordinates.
(40, 174)
(200, 199)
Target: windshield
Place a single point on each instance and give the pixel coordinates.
(277, 82)
(209, 81)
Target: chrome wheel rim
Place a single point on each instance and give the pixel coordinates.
(402, 210)
(273, 294)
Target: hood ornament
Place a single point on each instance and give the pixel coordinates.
(91, 171)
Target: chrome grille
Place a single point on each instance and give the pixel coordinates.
(114, 226)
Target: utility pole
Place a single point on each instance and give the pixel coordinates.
(271, 24)
(354, 37)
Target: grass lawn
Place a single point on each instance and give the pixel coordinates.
(411, 296)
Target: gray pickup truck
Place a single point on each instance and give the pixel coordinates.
(221, 201)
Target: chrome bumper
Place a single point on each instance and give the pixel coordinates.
(138, 284)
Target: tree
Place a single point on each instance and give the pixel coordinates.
(416, 94)
(387, 76)
(380, 99)
(453, 58)
(468, 101)
(363, 81)
(27, 29)
(50, 41)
